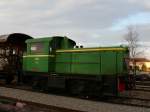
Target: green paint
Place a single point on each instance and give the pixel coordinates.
(66, 60)
(93, 63)
(40, 54)
(108, 62)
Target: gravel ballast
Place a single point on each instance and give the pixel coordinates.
(68, 102)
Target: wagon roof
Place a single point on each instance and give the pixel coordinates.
(14, 38)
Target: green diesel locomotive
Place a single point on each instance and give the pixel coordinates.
(56, 62)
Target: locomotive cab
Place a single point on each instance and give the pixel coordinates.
(40, 54)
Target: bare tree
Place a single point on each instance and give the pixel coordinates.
(132, 39)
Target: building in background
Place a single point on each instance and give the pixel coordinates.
(140, 64)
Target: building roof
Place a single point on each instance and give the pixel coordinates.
(140, 59)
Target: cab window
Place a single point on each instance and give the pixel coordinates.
(37, 48)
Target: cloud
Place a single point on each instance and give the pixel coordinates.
(136, 19)
(89, 22)
(143, 3)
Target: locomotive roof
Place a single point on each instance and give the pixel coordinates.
(44, 39)
(39, 39)
(14, 38)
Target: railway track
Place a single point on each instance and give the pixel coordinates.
(76, 104)
(142, 86)
(143, 83)
(123, 100)
(130, 101)
(32, 106)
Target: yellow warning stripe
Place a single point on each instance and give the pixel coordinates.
(89, 50)
(39, 56)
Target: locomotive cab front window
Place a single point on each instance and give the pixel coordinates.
(37, 48)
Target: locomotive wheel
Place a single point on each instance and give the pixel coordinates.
(75, 87)
(84, 88)
(9, 79)
(93, 88)
(40, 83)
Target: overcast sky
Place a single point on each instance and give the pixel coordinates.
(89, 22)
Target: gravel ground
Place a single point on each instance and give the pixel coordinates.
(67, 102)
(27, 108)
